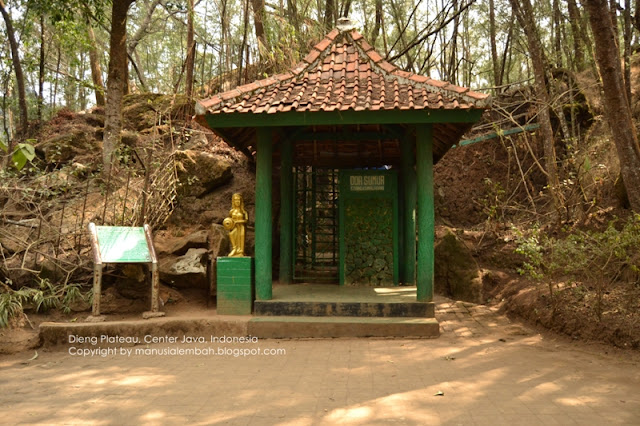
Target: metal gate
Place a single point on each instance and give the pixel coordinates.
(316, 225)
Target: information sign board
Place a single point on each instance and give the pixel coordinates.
(123, 244)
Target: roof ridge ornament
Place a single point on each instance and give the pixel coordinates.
(345, 24)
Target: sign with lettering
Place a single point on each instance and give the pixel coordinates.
(366, 182)
(123, 244)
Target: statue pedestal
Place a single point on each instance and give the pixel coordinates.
(235, 285)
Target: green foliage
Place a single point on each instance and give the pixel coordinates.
(529, 245)
(42, 299)
(598, 256)
(493, 202)
(597, 259)
(24, 152)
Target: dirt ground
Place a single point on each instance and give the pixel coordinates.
(483, 369)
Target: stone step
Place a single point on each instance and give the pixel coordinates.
(278, 327)
(344, 309)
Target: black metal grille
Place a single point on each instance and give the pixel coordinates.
(316, 225)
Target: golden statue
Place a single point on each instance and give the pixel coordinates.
(235, 224)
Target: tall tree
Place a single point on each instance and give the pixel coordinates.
(258, 23)
(41, 69)
(96, 70)
(617, 111)
(116, 81)
(577, 31)
(378, 22)
(329, 14)
(497, 77)
(523, 11)
(191, 50)
(17, 68)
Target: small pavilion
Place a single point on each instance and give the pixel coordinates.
(353, 139)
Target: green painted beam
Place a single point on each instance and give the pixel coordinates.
(263, 230)
(493, 135)
(286, 213)
(409, 212)
(426, 220)
(294, 118)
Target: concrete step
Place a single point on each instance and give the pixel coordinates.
(277, 327)
(344, 309)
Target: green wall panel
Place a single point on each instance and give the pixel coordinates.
(368, 228)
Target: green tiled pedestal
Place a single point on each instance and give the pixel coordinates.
(235, 285)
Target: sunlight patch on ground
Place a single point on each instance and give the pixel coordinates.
(407, 407)
(150, 380)
(154, 415)
(351, 414)
(578, 401)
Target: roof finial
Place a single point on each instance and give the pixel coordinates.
(345, 24)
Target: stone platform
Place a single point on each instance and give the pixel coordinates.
(324, 310)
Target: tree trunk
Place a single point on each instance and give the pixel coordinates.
(292, 16)
(627, 49)
(17, 68)
(135, 40)
(94, 63)
(245, 30)
(116, 81)
(6, 124)
(576, 29)
(616, 109)
(524, 14)
(191, 51)
(329, 14)
(41, 71)
(345, 9)
(557, 33)
(258, 23)
(378, 22)
(497, 77)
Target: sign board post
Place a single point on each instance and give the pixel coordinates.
(123, 244)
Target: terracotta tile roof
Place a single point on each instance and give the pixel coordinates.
(343, 72)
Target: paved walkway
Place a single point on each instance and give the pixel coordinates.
(482, 370)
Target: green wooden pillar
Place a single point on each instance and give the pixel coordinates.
(426, 220)
(286, 213)
(408, 212)
(263, 215)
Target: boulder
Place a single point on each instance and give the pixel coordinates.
(219, 244)
(200, 173)
(16, 238)
(186, 271)
(63, 148)
(141, 111)
(456, 273)
(169, 243)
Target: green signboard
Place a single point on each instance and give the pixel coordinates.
(122, 244)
